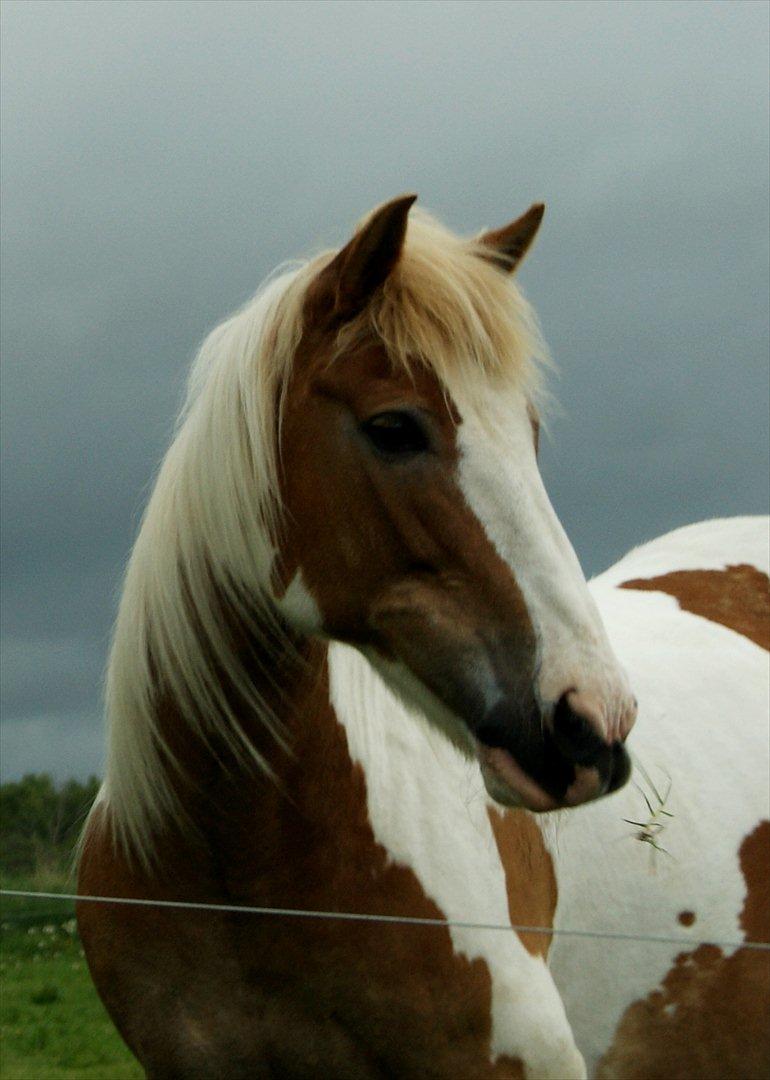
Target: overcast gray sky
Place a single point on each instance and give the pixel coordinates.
(160, 158)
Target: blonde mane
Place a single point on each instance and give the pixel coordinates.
(210, 531)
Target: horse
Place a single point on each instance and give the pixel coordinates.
(357, 669)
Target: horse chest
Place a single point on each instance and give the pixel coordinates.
(407, 834)
(428, 813)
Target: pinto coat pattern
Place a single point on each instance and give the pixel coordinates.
(352, 634)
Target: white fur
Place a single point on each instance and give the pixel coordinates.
(213, 513)
(706, 545)
(211, 516)
(427, 807)
(499, 477)
(703, 722)
(211, 528)
(703, 692)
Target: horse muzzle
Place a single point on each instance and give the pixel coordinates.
(544, 762)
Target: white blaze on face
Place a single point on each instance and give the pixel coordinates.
(500, 479)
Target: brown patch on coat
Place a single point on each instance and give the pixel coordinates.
(529, 875)
(737, 597)
(686, 918)
(197, 994)
(755, 864)
(709, 1019)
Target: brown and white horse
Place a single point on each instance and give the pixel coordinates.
(352, 632)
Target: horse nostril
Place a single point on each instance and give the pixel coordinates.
(574, 735)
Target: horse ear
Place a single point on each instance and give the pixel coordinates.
(508, 246)
(367, 260)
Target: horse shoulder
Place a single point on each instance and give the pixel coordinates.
(153, 967)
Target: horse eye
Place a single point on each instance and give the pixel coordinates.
(395, 433)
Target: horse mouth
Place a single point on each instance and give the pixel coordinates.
(567, 783)
(508, 783)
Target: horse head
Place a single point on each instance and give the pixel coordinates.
(415, 524)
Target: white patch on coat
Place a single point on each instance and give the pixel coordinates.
(427, 807)
(501, 482)
(704, 702)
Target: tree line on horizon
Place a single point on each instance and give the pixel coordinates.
(40, 822)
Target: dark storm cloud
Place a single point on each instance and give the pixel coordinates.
(159, 159)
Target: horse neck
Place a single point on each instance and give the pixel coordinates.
(363, 782)
(249, 821)
(213, 747)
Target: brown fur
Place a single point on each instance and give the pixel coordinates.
(202, 995)
(437, 305)
(529, 875)
(363, 265)
(197, 994)
(509, 245)
(737, 597)
(394, 558)
(686, 1030)
(205, 659)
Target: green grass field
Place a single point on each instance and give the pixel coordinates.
(52, 1024)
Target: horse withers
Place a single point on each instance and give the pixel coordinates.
(352, 631)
